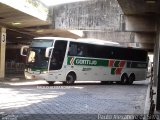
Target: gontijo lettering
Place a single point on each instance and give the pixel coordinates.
(85, 62)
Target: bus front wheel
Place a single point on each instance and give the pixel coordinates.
(124, 79)
(70, 79)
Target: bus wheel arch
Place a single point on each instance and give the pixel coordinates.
(70, 78)
(124, 78)
(131, 78)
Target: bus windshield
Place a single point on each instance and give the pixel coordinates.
(36, 56)
(37, 59)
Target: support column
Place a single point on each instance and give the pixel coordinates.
(156, 60)
(2, 51)
(158, 66)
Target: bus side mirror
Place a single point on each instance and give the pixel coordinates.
(24, 50)
(48, 51)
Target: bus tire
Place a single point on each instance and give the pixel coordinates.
(70, 79)
(131, 79)
(106, 82)
(50, 82)
(124, 79)
(118, 82)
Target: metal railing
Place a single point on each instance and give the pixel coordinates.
(14, 67)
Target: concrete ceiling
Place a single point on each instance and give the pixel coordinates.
(29, 26)
(140, 7)
(9, 16)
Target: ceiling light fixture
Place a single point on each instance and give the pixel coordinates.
(40, 31)
(151, 1)
(18, 37)
(16, 23)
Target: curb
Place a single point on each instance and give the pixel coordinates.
(147, 101)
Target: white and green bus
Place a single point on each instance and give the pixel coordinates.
(68, 60)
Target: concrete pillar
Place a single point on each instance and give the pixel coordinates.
(155, 60)
(2, 51)
(157, 66)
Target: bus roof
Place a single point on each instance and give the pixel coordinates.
(83, 40)
(53, 38)
(97, 41)
(89, 41)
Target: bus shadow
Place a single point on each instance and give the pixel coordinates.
(97, 83)
(81, 83)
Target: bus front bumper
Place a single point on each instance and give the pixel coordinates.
(33, 76)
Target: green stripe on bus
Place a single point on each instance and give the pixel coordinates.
(68, 61)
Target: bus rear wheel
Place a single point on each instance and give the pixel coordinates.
(124, 79)
(131, 79)
(50, 82)
(70, 79)
(106, 82)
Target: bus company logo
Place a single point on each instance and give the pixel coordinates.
(72, 61)
(86, 62)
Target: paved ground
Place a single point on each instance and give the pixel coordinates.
(37, 100)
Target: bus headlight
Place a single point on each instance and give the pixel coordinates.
(43, 72)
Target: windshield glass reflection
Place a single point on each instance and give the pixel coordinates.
(37, 59)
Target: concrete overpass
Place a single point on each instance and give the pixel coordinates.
(63, 19)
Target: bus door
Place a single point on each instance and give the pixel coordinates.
(57, 62)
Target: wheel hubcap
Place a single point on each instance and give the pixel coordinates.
(69, 79)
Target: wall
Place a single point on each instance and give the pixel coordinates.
(88, 15)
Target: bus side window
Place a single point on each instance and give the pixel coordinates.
(72, 49)
(80, 51)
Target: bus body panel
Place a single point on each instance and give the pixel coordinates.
(95, 74)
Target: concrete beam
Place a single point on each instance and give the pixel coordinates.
(32, 7)
(148, 38)
(139, 45)
(121, 37)
(145, 46)
(139, 24)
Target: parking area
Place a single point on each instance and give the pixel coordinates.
(37, 100)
